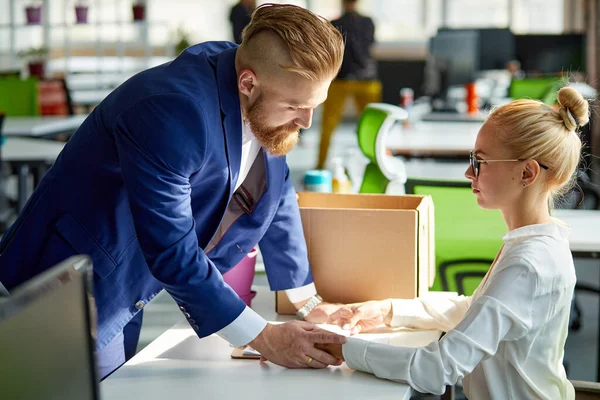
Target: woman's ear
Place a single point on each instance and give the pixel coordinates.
(530, 172)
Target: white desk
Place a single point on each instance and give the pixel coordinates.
(89, 98)
(585, 229)
(433, 139)
(41, 126)
(93, 81)
(179, 365)
(17, 149)
(478, 117)
(25, 155)
(105, 64)
(438, 170)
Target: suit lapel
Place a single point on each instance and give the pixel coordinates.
(231, 113)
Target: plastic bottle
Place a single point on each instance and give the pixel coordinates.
(407, 98)
(340, 182)
(471, 98)
(318, 180)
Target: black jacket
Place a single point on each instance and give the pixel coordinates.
(359, 34)
(240, 16)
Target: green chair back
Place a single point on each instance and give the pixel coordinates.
(467, 237)
(19, 97)
(367, 130)
(373, 126)
(543, 89)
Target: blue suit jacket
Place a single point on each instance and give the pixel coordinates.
(142, 186)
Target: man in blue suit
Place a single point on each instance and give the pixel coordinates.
(177, 175)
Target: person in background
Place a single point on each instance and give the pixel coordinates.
(506, 340)
(514, 68)
(357, 77)
(176, 176)
(240, 17)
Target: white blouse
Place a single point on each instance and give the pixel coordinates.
(507, 340)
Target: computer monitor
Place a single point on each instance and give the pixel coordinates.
(456, 52)
(496, 46)
(46, 343)
(551, 54)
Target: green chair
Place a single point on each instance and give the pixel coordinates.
(373, 128)
(19, 97)
(544, 89)
(467, 237)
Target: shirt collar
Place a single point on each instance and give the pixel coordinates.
(247, 134)
(556, 228)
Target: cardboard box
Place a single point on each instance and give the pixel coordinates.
(367, 247)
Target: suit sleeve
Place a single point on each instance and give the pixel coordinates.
(161, 141)
(283, 246)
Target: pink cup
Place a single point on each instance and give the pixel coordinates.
(240, 277)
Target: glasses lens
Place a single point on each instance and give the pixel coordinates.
(474, 164)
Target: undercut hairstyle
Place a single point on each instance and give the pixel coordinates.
(292, 38)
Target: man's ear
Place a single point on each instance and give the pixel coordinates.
(530, 172)
(247, 83)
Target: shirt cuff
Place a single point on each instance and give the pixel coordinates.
(355, 354)
(244, 329)
(302, 293)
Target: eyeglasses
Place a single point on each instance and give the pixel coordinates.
(475, 162)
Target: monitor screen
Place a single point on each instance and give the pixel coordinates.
(46, 344)
(456, 54)
(550, 54)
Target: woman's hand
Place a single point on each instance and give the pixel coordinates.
(362, 317)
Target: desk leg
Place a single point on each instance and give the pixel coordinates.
(22, 194)
(38, 173)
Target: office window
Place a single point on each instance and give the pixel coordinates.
(395, 20)
(477, 13)
(433, 17)
(330, 9)
(538, 16)
(301, 3)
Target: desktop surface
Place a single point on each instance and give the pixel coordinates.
(180, 365)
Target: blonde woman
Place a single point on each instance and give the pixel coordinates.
(507, 340)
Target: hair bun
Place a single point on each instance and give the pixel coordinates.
(573, 108)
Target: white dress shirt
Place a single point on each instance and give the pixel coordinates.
(507, 340)
(248, 325)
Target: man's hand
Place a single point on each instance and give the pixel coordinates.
(362, 317)
(333, 349)
(292, 345)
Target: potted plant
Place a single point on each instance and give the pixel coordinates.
(139, 10)
(81, 11)
(183, 40)
(36, 60)
(33, 12)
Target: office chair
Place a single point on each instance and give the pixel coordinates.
(19, 97)
(467, 237)
(586, 390)
(584, 196)
(544, 89)
(374, 125)
(54, 97)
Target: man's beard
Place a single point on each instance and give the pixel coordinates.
(277, 141)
